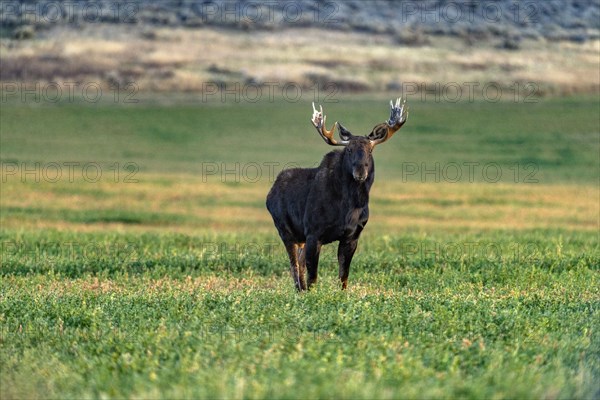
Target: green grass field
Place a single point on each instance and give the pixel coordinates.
(163, 276)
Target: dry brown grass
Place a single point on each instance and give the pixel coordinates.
(200, 286)
(185, 59)
(207, 206)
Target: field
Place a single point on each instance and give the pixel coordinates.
(183, 60)
(139, 261)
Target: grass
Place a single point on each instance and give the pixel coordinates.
(166, 315)
(165, 278)
(546, 142)
(185, 60)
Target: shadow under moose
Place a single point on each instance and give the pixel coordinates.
(316, 206)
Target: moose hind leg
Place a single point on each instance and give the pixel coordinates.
(345, 253)
(302, 265)
(292, 250)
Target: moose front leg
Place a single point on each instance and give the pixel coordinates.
(302, 265)
(346, 251)
(312, 249)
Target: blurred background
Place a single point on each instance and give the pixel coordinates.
(219, 92)
(139, 139)
(375, 46)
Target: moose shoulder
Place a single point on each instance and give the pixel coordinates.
(315, 206)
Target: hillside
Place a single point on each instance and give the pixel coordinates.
(576, 20)
(524, 49)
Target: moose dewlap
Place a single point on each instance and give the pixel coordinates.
(316, 206)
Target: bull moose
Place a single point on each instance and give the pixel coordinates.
(316, 206)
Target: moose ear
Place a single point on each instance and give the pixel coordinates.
(344, 133)
(378, 132)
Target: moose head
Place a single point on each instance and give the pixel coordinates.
(357, 157)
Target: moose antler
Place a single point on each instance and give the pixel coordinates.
(318, 120)
(398, 117)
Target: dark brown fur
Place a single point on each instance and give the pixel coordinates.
(315, 206)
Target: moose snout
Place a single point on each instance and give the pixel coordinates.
(360, 176)
(360, 171)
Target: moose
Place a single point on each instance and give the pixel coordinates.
(316, 206)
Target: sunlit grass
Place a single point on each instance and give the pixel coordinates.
(193, 204)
